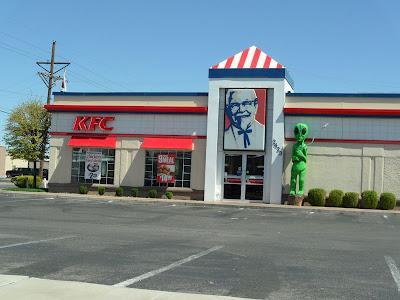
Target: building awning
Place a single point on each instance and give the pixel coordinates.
(167, 143)
(93, 142)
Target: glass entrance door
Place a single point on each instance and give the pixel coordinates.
(242, 185)
(254, 177)
(233, 176)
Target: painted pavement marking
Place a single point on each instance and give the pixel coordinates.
(166, 268)
(394, 270)
(38, 241)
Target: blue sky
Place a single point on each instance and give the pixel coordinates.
(328, 46)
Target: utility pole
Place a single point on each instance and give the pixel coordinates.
(50, 85)
(50, 78)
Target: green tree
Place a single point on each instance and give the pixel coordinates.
(26, 132)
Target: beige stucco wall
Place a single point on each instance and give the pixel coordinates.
(198, 165)
(129, 160)
(342, 102)
(60, 163)
(349, 167)
(191, 101)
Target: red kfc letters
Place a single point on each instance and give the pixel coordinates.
(86, 123)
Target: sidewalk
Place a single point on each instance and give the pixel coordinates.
(24, 288)
(222, 203)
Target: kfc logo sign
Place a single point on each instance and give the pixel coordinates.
(85, 123)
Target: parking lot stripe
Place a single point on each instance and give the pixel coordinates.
(38, 241)
(22, 200)
(166, 268)
(394, 270)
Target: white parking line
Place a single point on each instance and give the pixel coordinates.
(166, 268)
(38, 241)
(394, 270)
(22, 200)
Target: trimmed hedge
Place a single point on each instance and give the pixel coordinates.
(152, 193)
(387, 201)
(119, 191)
(335, 198)
(316, 197)
(26, 181)
(350, 199)
(83, 189)
(169, 194)
(369, 199)
(101, 190)
(135, 192)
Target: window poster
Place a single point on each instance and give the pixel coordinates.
(245, 111)
(93, 165)
(166, 168)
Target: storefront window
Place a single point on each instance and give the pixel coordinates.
(107, 166)
(183, 166)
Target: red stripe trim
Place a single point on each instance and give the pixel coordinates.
(255, 58)
(348, 141)
(114, 108)
(279, 66)
(267, 62)
(243, 58)
(341, 111)
(94, 135)
(229, 62)
(214, 66)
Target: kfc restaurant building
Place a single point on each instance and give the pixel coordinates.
(233, 142)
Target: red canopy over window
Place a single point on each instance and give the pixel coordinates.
(167, 143)
(93, 142)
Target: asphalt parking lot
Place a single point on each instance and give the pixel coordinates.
(243, 252)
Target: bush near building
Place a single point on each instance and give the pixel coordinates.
(83, 189)
(369, 199)
(135, 192)
(350, 200)
(119, 191)
(335, 198)
(169, 194)
(387, 201)
(152, 193)
(26, 181)
(101, 190)
(316, 197)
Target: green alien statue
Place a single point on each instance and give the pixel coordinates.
(299, 159)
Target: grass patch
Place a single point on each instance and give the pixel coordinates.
(17, 189)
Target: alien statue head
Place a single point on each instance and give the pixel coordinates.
(300, 132)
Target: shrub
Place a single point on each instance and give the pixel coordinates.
(83, 189)
(119, 191)
(135, 192)
(369, 199)
(24, 181)
(316, 197)
(335, 198)
(387, 201)
(101, 190)
(169, 194)
(152, 193)
(350, 199)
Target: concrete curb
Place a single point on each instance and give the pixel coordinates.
(202, 203)
(23, 287)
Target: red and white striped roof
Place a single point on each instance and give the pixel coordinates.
(250, 58)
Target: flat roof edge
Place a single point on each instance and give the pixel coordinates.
(345, 95)
(178, 94)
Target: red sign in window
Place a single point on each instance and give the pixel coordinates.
(166, 168)
(86, 123)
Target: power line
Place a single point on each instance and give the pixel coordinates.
(30, 55)
(81, 66)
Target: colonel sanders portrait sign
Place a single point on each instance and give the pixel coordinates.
(245, 111)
